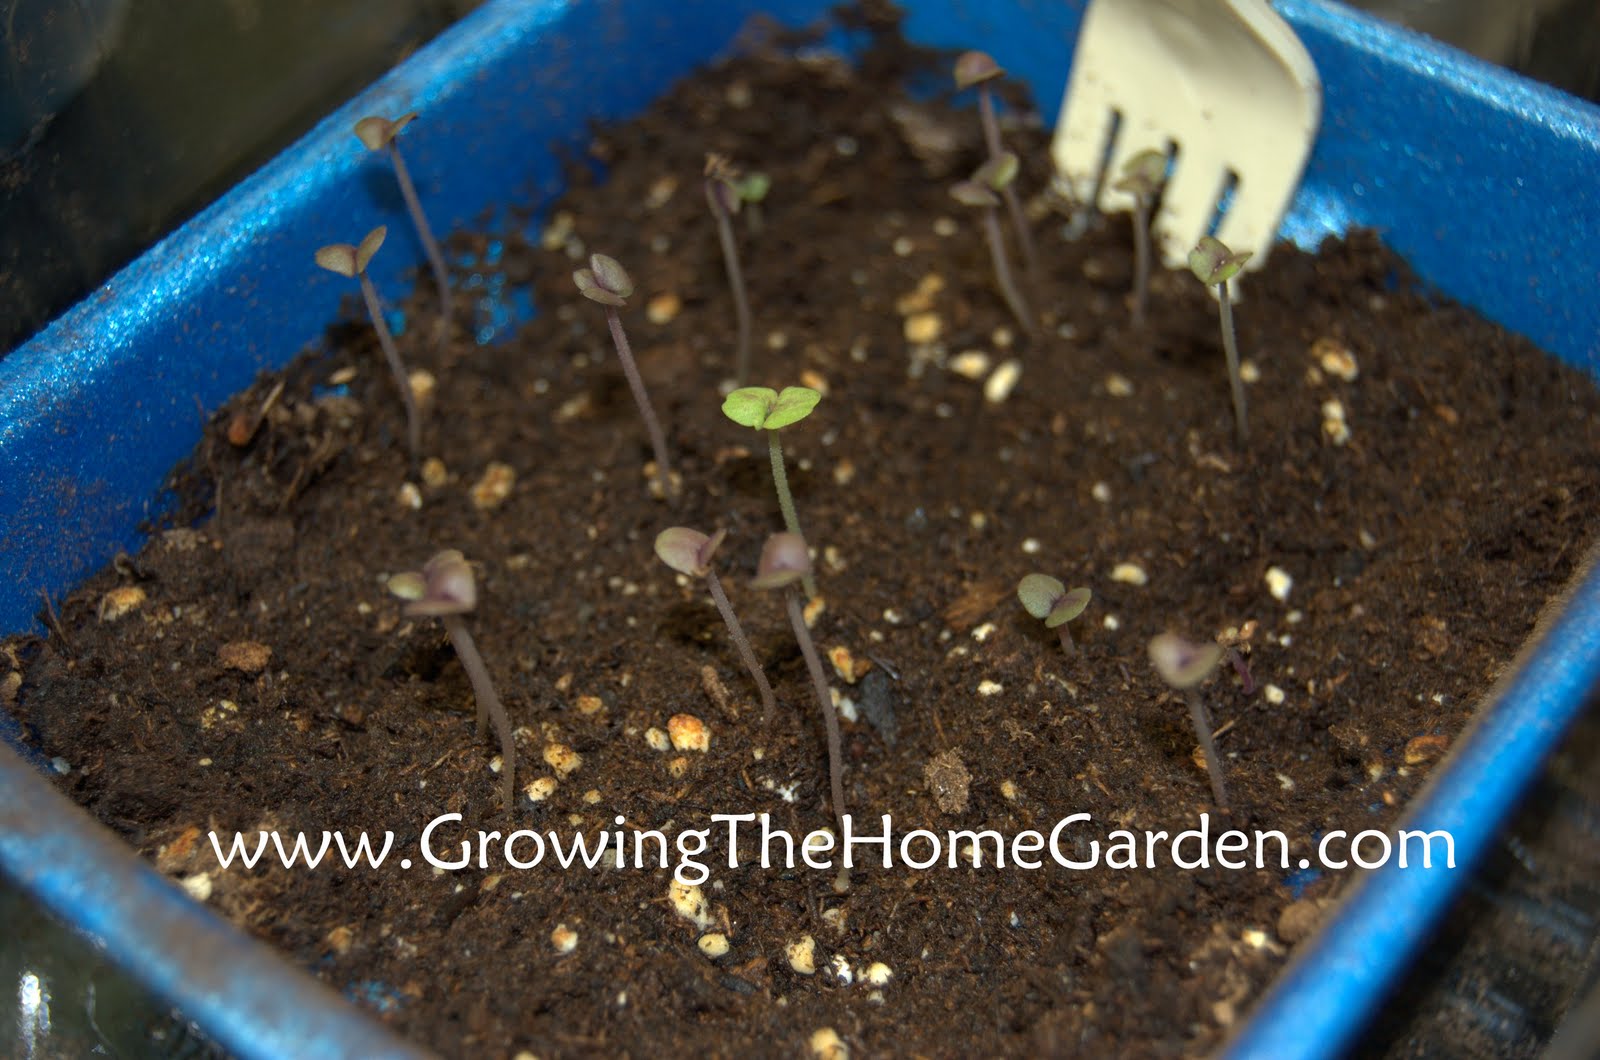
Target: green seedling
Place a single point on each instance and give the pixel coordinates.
(981, 192)
(606, 282)
(767, 410)
(1050, 601)
(351, 261)
(689, 552)
(1141, 177)
(1184, 665)
(446, 588)
(1214, 264)
(978, 70)
(785, 560)
(726, 191)
(379, 134)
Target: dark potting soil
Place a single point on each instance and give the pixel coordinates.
(1417, 486)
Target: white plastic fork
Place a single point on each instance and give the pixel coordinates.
(1224, 87)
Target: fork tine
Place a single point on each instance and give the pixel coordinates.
(1189, 202)
(1080, 143)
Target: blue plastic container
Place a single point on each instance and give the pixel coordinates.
(1484, 182)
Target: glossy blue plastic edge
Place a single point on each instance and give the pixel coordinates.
(1474, 175)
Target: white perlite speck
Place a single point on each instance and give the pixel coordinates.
(1279, 583)
(1129, 574)
(1002, 381)
(990, 688)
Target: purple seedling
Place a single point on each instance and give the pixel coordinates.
(785, 560)
(1214, 264)
(1184, 665)
(606, 282)
(1141, 177)
(379, 134)
(723, 195)
(977, 70)
(767, 410)
(445, 588)
(1050, 601)
(351, 261)
(689, 552)
(981, 193)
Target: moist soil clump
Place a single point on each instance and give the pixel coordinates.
(1425, 481)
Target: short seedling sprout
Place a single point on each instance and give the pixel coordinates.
(1214, 264)
(1184, 665)
(786, 559)
(767, 410)
(1141, 177)
(606, 282)
(980, 193)
(379, 134)
(445, 587)
(977, 70)
(351, 261)
(726, 191)
(689, 552)
(1050, 601)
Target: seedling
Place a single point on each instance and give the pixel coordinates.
(726, 191)
(1048, 600)
(767, 410)
(1184, 665)
(606, 282)
(347, 260)
(981, 193)
(978, 70)
(1141, 177)
(786, 559)
(1214, 264)
(689, 552)
(446, 588)
(379, 134)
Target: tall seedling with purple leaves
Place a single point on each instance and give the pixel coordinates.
(767, 410)
(606, 282)
(1184, 665)
(351, 261)
(379, 134)
(978, 70)
(1213, 264)
(786, 559)
(726, 191)
(689, 552)
(445, 588)
(981, 192)
(1141, 177)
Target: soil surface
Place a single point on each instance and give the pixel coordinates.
(249, 671)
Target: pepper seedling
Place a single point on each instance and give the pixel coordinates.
(1050, 601)
(689, 552)
(1141, 177)
(726, 192)
(767, 410)
(380, 134)
(981, 192)
(979, 70)
(446, 588)
(1184, 665)
(607, 282)
(786, 559)
(1214, 264)
(351, 261)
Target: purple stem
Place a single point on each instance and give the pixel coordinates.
(1208, 746)
(740, 641)
(652, 426)
(824, 699)
(1066, 640)
(1243, 669)
(1002, 273)
(1230, 349)
(991, 139)
(396, 368)
(430, 245)
(488, 701)
(730, 262)
(1141, 259)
